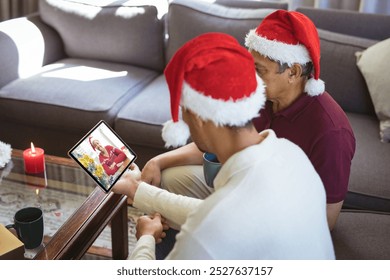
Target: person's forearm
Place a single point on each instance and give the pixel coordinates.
(106, 168)
(173, 207)
(121, 156)
(186, 155)
(144, 249)
(332, 213)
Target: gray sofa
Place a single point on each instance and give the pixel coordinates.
(69, 66)
(73, 64)
(363, 226)
(343, 34)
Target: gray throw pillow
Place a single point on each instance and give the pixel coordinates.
(374, 63)
(342, 77)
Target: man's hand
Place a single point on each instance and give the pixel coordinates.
(151, 173)
(151, 225)
(127, 185)
(135, 172)
(186, 155)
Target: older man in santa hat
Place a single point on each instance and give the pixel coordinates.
(268, 203)
(286, 50)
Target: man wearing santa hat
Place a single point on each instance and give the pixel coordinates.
(298, 107)
(286, 50)
(268, 203)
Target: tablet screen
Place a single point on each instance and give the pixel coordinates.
(103, 155)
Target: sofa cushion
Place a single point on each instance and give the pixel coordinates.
(188, 19)
(342, 77)
(369, 185)
(141, 112)
(72, 91)
(365, 25)
(362, 235)
(374, 63)
(140, 121)
(116, 32)
(250, 4)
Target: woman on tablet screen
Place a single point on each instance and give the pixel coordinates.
(110, 157)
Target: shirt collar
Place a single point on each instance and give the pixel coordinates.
(295, 109)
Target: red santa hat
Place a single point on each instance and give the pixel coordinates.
(91, 139)
(289, 37)
(214, 77)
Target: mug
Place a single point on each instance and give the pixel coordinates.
(28, 223)
(211, 167)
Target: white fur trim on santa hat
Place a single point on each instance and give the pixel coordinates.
(175, 134)
(278, 51)
(5, 154)
(314, 87)
(222, 112)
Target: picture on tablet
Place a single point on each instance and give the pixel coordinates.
(103, 155)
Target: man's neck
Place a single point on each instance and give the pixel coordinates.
(235, 140)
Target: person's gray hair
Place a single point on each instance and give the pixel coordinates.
(307, 68)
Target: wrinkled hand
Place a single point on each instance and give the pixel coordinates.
(152, 225)
(151, 173)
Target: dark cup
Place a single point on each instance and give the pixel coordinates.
(28, 223)
(211, 167)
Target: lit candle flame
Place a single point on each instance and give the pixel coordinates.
(37, 191)
(32, 148)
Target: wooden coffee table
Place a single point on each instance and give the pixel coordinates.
(88, 208)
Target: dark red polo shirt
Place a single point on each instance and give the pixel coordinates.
(320, 127)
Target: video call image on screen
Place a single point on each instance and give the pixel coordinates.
(103, 155)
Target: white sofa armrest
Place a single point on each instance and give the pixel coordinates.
(26, 45)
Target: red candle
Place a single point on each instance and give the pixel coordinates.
(34, 160)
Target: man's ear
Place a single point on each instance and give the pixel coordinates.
(198, 121)
(295, 71)
(193, 118)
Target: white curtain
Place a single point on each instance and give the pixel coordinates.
(17, 8)
(375, 6)
(336, 4)
(293, 4)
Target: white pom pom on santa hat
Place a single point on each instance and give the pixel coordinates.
(175, 134)
(314, 87)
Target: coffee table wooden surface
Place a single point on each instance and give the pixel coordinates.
(91, 214)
